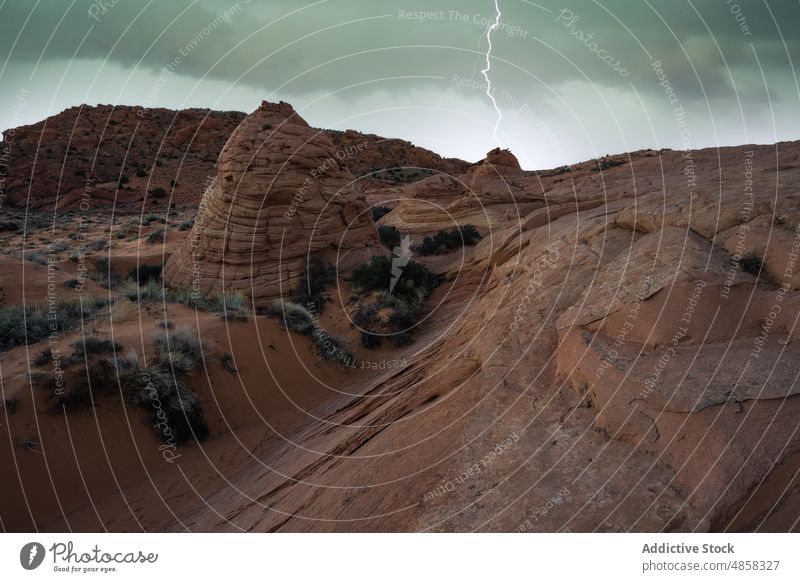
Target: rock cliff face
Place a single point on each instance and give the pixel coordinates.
(280, 196)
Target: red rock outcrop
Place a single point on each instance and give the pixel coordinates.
(113, 155)
(280, 196)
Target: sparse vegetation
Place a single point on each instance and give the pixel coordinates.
(317, 277)
(445, 241)
(157, 236)
(751, 263)
(227, 363)
(294, 316)
(180, 350)
(379, 212)
(93, 344)
(176, 412)
(186, 224)
(414, 283)
(44, 356)
(36, 257)
(33, 323)
(389, 235)
(297, 318)
(413, 286)
(11, 404)
(231, 305)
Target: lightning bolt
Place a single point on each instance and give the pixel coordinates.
(488, 68)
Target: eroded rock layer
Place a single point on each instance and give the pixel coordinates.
(279, 197)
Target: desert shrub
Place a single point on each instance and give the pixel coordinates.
(123, 179)
(36, 257)
(365, 318)
(389, 235)
(95, 345)
(751, 263)
(59, 246)
(317, 277)
(44, 356)
(294, 316)
(176, 412)
(447, 240)
(231, 305)
(606, 163)
(8, 225)
(122, 310)
(186, 225)
(151, 290)
(151, 218)
(158, 192)
(181, 350)
(103, 273)
(166, 324)
(414, 283)
(33, 323)
(143, 273)
(401, 320)
(227, 363)
(157, 236)
(379, 212)
(297, 318)
(72, 283)
(10, 404)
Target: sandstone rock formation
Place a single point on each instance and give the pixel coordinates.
(488, 193)
(113, 155)
(279, 197)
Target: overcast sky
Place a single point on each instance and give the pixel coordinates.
(572, 80)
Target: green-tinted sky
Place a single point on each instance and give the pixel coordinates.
(374, 66)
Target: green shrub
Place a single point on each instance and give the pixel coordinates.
(33, 323)
(158, 192)
(379, 212)
(11, 404)
(176, 413)
(447, 240)
(414, 283)
(95, 345)
(180, 350)
(157, 236)
(751, 263)
(231, 305)
(294, 316)
(389, 235)
(186, 224)
(317, 277)
(44, 356)
(36, 257)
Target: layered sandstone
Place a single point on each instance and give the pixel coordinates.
(280, 196)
